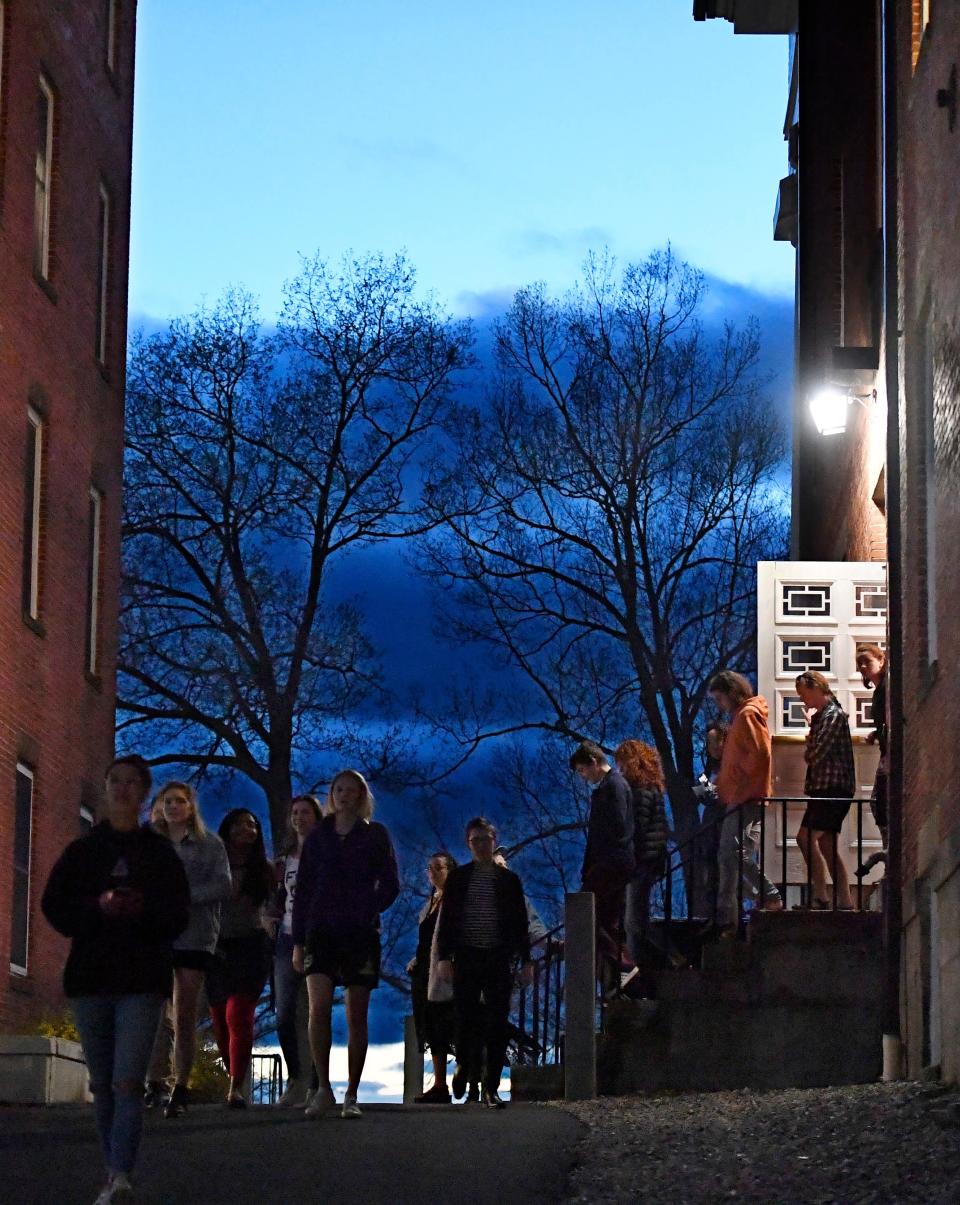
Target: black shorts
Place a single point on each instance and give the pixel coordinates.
(192, 960)
(825, 815)
(349, 957)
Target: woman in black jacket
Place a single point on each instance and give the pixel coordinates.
(121, 894)
(640, 765)
(433, 1011)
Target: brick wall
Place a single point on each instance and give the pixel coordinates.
(52, 714)
(930, 374)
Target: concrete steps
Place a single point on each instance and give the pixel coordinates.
(796, 1005)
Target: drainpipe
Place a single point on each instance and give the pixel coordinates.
(893, 909)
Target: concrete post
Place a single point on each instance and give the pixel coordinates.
(580, 1041)
(412, 1062)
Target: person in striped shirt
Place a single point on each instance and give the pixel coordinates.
(481, 932)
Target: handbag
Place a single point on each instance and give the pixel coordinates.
(439, 991)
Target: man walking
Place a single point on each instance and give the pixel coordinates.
(608, 863)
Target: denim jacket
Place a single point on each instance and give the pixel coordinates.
(208, 873)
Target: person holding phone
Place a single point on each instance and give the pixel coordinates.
(120, 893)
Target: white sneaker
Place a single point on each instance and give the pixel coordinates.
(121, 1190)
(106, 1194)
(350, 1108)
(319, 1102)
(297, 1093)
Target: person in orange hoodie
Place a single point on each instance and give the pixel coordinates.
(743, 782)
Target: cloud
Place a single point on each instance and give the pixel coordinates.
(577, 241)
(402, 151)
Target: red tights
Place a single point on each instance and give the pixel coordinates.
(233, 1026)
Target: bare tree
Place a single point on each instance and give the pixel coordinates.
(254, 465)
(603, 515)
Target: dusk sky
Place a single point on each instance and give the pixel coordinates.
(495, 143)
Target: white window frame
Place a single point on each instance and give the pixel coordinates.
(27, 772)
(104, 273)
(41, 252)
(93, 609)
(35, 420)
(113, 7)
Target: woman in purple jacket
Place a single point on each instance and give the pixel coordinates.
(347, 877)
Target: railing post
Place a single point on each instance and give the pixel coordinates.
(580, 1046)
(412, 1062)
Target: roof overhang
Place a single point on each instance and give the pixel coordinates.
(751, 16)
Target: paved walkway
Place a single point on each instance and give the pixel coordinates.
(392, 1156)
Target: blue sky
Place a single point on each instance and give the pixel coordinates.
(496, 143)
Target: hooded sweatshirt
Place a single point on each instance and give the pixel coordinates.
(112, 955)
(745, 768)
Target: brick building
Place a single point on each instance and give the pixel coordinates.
(872, 205)
(66, 111)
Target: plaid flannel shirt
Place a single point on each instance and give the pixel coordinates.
(829, 754)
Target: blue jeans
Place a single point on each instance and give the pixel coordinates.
(117, 1035)
(290, 990)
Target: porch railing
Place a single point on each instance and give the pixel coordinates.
(688, 887)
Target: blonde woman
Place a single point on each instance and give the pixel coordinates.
(176, 814)
(347, 877)
(830, 784)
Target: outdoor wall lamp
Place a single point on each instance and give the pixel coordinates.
(831, 406)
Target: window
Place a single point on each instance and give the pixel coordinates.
(20, 911)
(43, 180)
(103, 268)
(95, 508)
(33, 486)
(113, 29)
(920, 22)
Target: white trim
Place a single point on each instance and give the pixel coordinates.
(112, 7)
(104, 273)
(26, 772)
(41, 234)
(36, 421)
(93, 613)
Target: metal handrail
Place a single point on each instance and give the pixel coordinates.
(683, 859)
(266, 1078)
(542, 1002)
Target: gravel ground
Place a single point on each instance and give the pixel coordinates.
(868, 1143)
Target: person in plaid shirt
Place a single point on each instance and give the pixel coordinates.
(830, 784)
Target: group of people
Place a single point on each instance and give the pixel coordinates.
(159, 914)
(627, 831)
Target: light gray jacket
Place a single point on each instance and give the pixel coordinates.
(208, 873)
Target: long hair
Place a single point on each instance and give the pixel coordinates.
(290, 840)
(365, 811)
(257, 882)
(194, 821)
(735, 686)
(640, 765)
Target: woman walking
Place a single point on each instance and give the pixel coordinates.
(241, 963)
(830, 784)
(177, 817)
(121, 894)
(347, 877)
(289, 985)
(639, 764)
(433, 1011)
